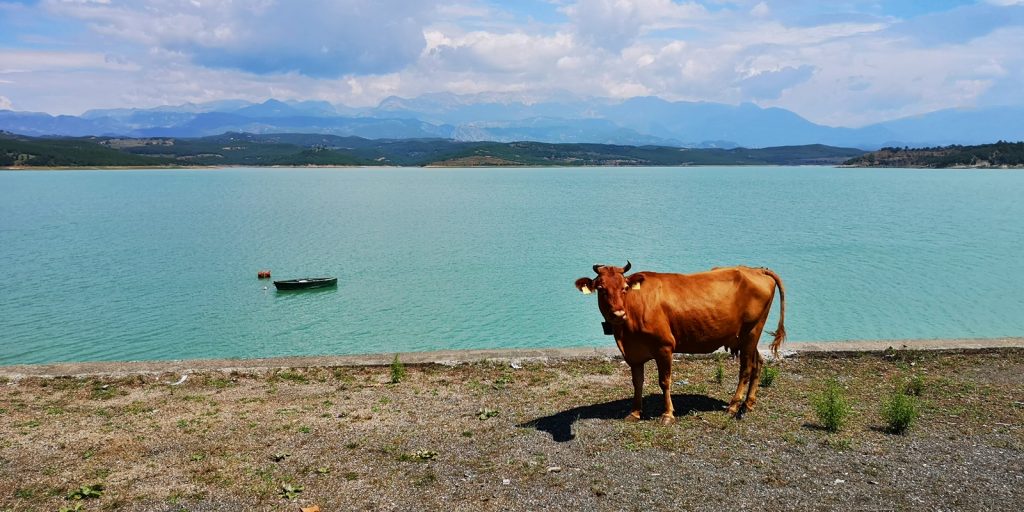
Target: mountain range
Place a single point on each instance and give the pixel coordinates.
(636, 121)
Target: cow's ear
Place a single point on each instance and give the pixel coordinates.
(584, 284)
(635, 280)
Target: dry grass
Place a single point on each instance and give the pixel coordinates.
(489, 437)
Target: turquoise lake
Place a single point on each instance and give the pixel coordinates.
(161, 264)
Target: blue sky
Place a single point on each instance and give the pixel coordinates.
(842, 63)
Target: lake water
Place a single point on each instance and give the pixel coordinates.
(161, 264)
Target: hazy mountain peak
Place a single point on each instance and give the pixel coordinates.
(634, 121)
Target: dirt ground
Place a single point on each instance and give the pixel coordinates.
(544, 435)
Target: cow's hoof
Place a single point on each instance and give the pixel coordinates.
(633, 417)
(733, 409)
(749, 405)
(667, 419)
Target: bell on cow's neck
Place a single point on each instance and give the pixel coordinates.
(607, 328)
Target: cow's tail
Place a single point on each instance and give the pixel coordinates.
(780, 331)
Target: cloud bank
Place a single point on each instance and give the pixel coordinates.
(840, 63)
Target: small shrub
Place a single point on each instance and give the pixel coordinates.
(86, 492)
(768, 375)
(397, 371)
(899, 412)
(719, 368)
(484, 413)
(915, 386)
(289, 491)
(831, 407)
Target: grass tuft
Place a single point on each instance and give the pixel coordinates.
(86, 492)
(605, 368)
(292, 376)
(831, 406)
(397, 370)
(768, 375)
(914, 386)
(484, 413)
(719, 368)
(899, 412)
(289, 491)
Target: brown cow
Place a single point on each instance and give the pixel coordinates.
(688, 313)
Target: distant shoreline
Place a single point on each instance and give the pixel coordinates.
(692, 166)
(524, 166)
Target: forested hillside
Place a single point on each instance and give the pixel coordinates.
(243, 149)
(1000, 154)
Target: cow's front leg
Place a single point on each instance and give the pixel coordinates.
(664, 361)
(638, 391)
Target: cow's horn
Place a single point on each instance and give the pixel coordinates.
(596, 267)
(626, 268)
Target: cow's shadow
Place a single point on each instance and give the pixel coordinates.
(559, 425)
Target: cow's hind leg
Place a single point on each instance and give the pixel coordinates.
(743, 384)
(756, 361)
(755, 380)
(638, 391)
(664, 361)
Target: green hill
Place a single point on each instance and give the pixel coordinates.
(244, 149)
(16, 151)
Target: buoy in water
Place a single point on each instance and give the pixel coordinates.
(263, 274)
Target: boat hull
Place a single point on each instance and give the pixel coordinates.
(306, 283)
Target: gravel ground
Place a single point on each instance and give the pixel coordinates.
(543, 436)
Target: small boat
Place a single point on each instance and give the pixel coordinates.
(306, 282)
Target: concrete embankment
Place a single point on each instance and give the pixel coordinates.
(452, 357)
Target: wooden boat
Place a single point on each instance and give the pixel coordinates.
(306, 283)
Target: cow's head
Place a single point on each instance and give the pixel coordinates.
(612, 285)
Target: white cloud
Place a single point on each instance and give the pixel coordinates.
(323, 38)
(5, 103)
(614, 24)
(23, 61)
(761, 10)
(515, 52)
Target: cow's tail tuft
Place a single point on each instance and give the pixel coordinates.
(780, 332)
